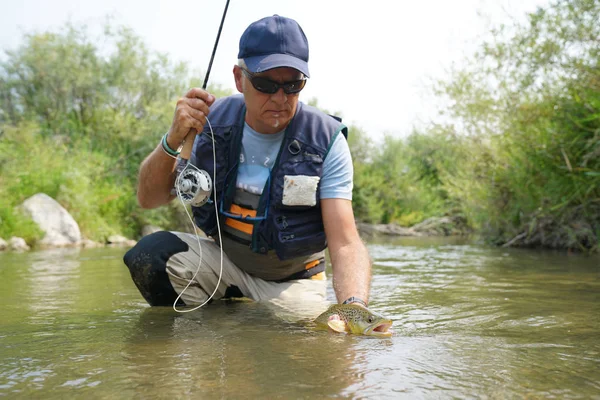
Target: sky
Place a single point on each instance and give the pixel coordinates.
(370, 62)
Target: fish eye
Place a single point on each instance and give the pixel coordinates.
(370, 320)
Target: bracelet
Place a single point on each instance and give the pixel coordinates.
(355, 300)
(167, 153)
(167, 149)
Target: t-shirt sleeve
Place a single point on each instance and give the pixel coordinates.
(337, 179)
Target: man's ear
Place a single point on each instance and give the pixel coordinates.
(238, 76)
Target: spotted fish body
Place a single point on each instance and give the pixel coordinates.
(352, 318)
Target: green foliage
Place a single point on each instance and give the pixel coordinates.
(77, 116)
(78, 180)
(527, 110)
(518, 153)
(398, 181)
(14, 223)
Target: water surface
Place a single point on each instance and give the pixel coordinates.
(470, 322)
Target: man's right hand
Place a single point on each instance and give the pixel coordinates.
(190, 116)
(157, 172)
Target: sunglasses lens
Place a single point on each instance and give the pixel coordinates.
(264, 85)
(294, 87)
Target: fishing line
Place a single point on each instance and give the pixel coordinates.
(180, 197)
(214, 190)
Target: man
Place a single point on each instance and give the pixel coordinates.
(284, 187)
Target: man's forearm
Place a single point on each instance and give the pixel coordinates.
(156, 178)
(351, 272)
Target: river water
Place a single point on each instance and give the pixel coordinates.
(470, 322)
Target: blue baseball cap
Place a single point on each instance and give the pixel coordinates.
(274, 42)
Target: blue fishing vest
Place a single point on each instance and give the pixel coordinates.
(292, 231)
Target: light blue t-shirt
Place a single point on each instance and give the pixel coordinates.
(259, 152)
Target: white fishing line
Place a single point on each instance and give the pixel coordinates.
(196, 231)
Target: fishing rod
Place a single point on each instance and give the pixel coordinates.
(192, 183)
(186, 150)
(212, 57)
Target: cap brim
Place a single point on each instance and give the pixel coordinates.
(265, 63)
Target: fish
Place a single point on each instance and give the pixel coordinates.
(352, 318)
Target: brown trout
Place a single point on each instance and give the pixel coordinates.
(352, 318)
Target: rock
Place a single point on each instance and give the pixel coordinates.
(59, 226)
(117, 240)
(3, 244)
(386, 229)
(149, 229)
(18, 244)
(437, 226)
(442, 226)
(90, 244)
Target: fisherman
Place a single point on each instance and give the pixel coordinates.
(283, 184)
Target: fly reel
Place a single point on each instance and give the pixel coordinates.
(193, 185)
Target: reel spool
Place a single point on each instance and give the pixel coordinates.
(193, 185)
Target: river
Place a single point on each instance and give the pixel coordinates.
(470, 321)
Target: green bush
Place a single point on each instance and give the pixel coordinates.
(77, 116)
(527, 111)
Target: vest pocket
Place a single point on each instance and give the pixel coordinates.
(296, 181)
(300, 190)
(298, 222)
(298, 234)
(292, 246)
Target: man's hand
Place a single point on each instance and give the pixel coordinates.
(157, 172)
(190, 116)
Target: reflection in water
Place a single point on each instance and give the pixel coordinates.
(470, 322)
(53, 277)
(237, 349)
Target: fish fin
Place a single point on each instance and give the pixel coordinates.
(337, 325)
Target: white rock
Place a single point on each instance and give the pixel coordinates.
(117, 240)
(90, 244)
(18, 244)
(59, 226)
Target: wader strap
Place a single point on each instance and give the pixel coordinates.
(312, 271)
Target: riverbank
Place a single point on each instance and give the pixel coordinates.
(59, 229)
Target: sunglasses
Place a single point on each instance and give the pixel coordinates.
(268, 86)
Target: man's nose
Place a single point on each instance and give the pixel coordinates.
(279, 96)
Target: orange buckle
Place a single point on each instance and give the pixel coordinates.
(239, 225)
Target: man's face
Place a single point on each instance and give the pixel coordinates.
(268, 113)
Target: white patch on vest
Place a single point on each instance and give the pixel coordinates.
(300, 190)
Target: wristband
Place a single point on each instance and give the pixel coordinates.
(355, 300)
(167, 149)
